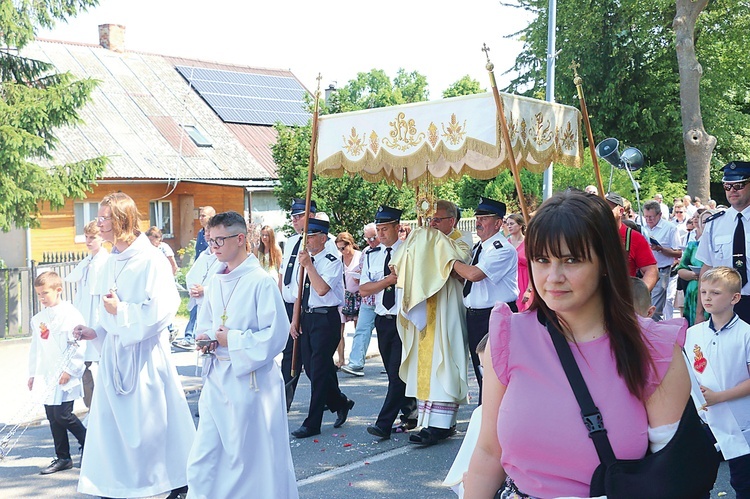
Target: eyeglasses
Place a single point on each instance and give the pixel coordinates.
(437, 220)
(737, 186)
(678, 212)
(101, 220)
(297, 216)
(219, 241)
(341, 248)
(371, 239)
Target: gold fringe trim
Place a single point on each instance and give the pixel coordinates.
(386, 166)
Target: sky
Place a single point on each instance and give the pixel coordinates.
(338, 38)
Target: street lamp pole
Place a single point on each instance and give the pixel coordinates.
(551, 56)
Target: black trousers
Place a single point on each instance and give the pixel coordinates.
(321, 334)
(389, 344)
(286, 361)
(61, 420)
(477, 325)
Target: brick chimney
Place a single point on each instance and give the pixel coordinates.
(112, 37)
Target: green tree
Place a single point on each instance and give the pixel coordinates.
(627, 53)
(34, 101)
(349, 201)
(465, 86)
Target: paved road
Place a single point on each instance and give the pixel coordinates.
(342, 463)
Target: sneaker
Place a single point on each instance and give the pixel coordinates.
(354, 371)
(184, 344)
(57, 465)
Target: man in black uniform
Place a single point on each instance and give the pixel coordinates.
(379, 279)
(319, 329)
(289, 286)
(492, 276)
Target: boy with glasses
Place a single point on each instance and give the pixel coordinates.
(725, 238)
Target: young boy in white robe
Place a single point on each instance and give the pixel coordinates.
(241, 448)
(87, 298)
(52, 370)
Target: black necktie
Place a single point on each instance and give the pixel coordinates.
(467, 286)
(306, 291)
(389, 293)
(290, 266)
(739, 260)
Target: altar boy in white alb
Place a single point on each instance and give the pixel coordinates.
(241, 448)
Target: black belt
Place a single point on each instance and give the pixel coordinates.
(319, 310)
(478, 311)
(388, 316)
(665, 267)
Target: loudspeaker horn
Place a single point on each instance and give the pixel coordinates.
(632, 159)
(607, 150)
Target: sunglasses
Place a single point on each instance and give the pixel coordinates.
(737, 186)
(401, 230)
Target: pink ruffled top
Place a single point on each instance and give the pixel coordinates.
(546, 448)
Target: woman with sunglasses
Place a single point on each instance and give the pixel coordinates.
(350, 255)
(727, 234)
(689, 264)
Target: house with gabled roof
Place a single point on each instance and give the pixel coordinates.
(179, 134)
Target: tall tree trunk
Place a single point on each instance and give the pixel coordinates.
(699, 145)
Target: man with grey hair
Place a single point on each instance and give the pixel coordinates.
(665, 243)
(366, 319)
(432, 323)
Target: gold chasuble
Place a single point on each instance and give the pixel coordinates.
(432, 318)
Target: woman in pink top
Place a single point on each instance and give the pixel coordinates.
(532, 440)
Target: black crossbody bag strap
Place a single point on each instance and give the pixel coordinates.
(591, 415)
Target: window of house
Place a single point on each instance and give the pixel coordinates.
(160, 215)
(195, 134)
(83, 213)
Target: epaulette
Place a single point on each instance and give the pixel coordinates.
(373, 250)
(497, 244)
(331, 257)
(715, 216)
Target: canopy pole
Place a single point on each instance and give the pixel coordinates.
(308, 198)
(589, 134)
(506, 135)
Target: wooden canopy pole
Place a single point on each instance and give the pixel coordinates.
(308, 198)
(589, 134)
(506, 135)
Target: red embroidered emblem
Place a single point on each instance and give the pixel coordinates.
(700, 362)
(44, 330)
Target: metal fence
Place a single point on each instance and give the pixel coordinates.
(18, 302)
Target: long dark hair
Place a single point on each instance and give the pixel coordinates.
(586, 224)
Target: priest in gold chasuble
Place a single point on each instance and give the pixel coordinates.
(432, 323)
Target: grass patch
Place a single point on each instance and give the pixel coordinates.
(183, 310)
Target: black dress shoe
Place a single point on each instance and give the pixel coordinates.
(304, 432)
(431, 435)
(343, 413)
(378, 432)
(57, 465)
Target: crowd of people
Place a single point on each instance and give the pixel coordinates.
(613, 283)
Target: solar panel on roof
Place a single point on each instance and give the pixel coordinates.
(249, 98)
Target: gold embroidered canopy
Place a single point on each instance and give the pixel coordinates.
(448, 138)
